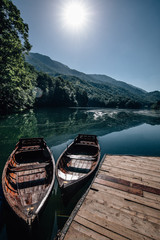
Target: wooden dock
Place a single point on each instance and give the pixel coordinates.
(123, 202)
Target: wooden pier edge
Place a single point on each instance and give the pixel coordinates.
(61, 235)
(122, 202)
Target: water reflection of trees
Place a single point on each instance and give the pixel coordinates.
(122, 119)
(69, 122)
(12, 128)
(61, 124)
(55, 122)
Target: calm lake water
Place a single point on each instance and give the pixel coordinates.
(135, 132)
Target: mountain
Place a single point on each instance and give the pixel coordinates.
(102, 90)
(121, 84)
(46, 64)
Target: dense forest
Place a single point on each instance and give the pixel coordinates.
(101, 90)
(23, 86)
(15, 82)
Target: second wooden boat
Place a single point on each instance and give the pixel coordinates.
(78, 163)
(28, 178)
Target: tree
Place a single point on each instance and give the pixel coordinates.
(81, 97)
(15, 86)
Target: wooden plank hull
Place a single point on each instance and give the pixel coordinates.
(77, 164)
(28, 178)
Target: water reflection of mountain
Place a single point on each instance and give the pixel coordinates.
(58, 125)
(92, 121)
(108, 121)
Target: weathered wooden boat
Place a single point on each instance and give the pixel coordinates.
(77, 163)
(28, 178)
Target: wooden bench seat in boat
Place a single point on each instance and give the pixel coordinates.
(80, 163)
(79, 157)
(28, 167)
(79, 166)
(68, 176)
(77, 170)
(29, 149)
(32, 183)
(86, 143)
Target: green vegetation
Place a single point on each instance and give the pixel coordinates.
(58, 92)
(100, 90)
(41, 82)
(15, 82)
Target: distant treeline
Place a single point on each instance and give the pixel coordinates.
(43, 90)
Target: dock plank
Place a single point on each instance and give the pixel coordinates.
(123, 201)
(131, 185)
(120, 187)
(116, 215)
(130, 173)
(98, 228)
(79, 231)
(133, 167)
(115, 228)
(150, 202)
(132, 178)
(124, 205)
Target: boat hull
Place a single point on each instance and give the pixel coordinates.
(28, 178)
(77, 164)
(69, 191)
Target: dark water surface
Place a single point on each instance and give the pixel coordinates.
(119, 132)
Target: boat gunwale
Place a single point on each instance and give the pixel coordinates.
(19, 210)
(71, 182)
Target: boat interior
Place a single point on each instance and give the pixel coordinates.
(78, 161)
(28, 176)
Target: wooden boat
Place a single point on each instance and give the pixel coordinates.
(28, 178)
(77, 163)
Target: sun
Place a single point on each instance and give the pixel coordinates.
(74, 15)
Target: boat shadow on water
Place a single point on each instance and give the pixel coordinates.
(66, 204)
(1, 207)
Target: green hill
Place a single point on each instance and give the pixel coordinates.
(101, 90)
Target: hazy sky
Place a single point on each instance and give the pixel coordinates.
(118, 38)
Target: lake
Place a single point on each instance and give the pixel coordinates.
(133, 132)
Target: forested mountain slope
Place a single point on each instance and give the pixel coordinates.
(101, 90)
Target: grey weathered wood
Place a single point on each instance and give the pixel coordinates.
(123, 203)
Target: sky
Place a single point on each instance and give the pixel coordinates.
(118, 38)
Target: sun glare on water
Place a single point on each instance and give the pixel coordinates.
(75, 15)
